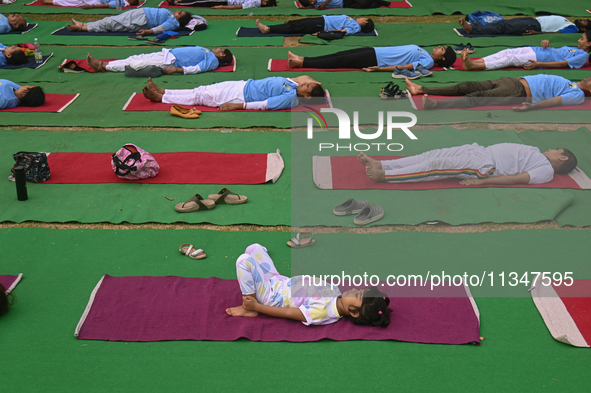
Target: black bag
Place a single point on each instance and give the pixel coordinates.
(331, 35)
(36, 167)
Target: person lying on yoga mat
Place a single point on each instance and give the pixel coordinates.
(88, 4)
(342, 23)
(318, 4)
(531, 91)
(14, 22)
(6, 300)
(224, 4)
(267, 292)
(143, 21)
(532, 57)
(12, 95)
(274, 93)
(185, 60)
(500, 164)
(380, 58)
(523, 26)
(12, 55)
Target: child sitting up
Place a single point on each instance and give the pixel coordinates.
(12, 95)
(265, 291)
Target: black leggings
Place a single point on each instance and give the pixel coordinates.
(365, 3)
(353, 58)
(302, 26)
(198, 3)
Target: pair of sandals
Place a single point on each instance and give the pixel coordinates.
(185, 113)
(392, 92)
(197, 202)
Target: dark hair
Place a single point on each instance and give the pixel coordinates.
(317, 91)
(270, 3)
(567, 166)
(305, 3)
(34, 97)
(581, 26)
(374, 309)
(227, 58)
(6, 299)
(186, 18)
(21, 26)
(368, 27)
(449, 58)
(17, 57)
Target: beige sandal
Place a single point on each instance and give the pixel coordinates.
(186, 113)
(228, 197)
(194, 204)
(192, 252)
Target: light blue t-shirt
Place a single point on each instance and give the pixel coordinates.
(2, 57)
(160, 16)
(280, 93)
(246, 3)
(330, 4)
(4, 25)
(113, 3)
(7, 97)
(388, 56)
(544, 86)
(575, 57)
(340, 22)
(552, 23)
(192, 56)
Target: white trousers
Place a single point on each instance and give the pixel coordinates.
(466, 161)
(138, 62)
(208, 95)
(517, 57)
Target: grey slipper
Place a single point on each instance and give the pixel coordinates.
(368, 215)
(350, 206)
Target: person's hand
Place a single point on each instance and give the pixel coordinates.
(142, 33)
(531, 65)
(526, 106)
(169, 71)
(472, 182)
(531, 32)
(249, 303)
(545, 43)
(230, 107)
(322, 5)
(87, 6)
(371, 69)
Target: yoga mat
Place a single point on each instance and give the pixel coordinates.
(64, 31)
(458, 65)
(255, 32)
(38, 3)
(566, 310)
(180, 308)
(393, 4)
(31, 63)
(175, 168)
(417, 104)
(280, 65)
(346, 173)
(53, 103)
(30, 26)
(10, 281)
(137, 102)
(83, 64)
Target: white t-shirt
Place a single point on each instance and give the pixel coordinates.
(318, 303)
(514, 159)
(552, 23)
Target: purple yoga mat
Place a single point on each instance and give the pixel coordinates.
(180, 308)
(9, 281)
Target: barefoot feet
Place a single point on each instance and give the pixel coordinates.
(413, 87)
(294, 61)
(152, 86)
(465, 25)
(152, 95)
(95, 64)
(429, 103)
(377, 175)
(263, 28)
(76, 26)
(368, 161)
(239, 311)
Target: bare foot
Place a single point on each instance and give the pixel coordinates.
(375, 174)
(294, 61)
(465, 25)
(76, 26)
(413, 87)
(96, 65)
(263, 28)
(429, 103)
(152, 95)
(368, 161)
(239, 311)
(154, 88)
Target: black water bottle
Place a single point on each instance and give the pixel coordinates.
(21, 183)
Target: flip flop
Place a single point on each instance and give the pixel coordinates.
(228, 197)
(350, 206)
(192, 252)
(369, 215)
(301, 240)
(194, 204)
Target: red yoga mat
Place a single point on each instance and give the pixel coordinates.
(566, 310)
(346, 173)
(181, 308)
(393, 4)
(10, 281)
(38, 3)
(175, 168)
(53, 103)
(417, 103)
(280, 65)
(458, 65)
(137, 102)
(82, 63)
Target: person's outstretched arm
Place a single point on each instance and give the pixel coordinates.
(251, 304)
(229, 7)
(550, 64)
(522, 178)
(389, 68)
(550, 102)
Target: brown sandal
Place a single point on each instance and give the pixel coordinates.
(194, 204)
(228, 197)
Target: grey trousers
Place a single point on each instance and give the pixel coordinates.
(504, 91)
(130, 21)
